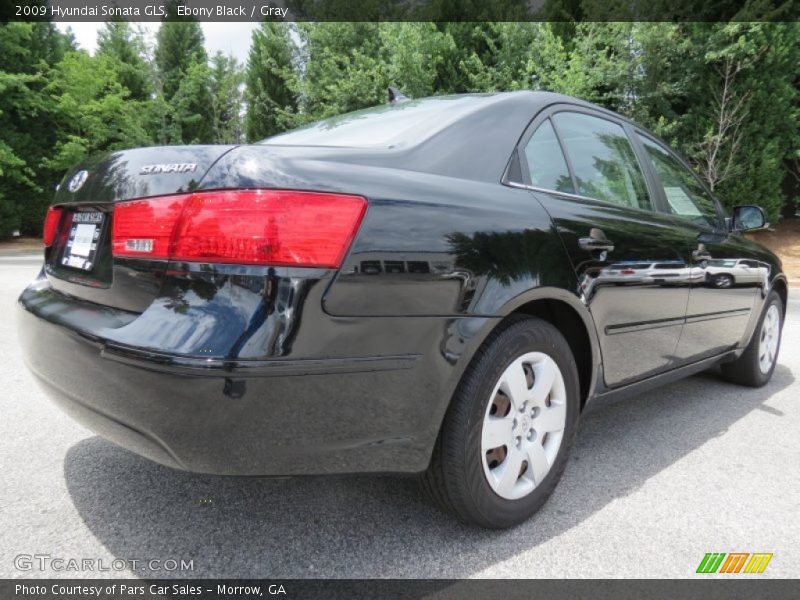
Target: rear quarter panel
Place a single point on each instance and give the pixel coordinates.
(448, 247)
(429, 245)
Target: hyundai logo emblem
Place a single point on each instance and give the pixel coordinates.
(77, 180)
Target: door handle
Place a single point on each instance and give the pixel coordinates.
(597, 240)
(701, 253)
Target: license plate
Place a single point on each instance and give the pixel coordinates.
(84, 238)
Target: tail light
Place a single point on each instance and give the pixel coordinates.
(51, 225)
(275, 227)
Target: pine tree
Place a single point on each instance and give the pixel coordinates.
(226, 99)
(269, 76)
(343, 68)
(183, 73)
(179, 45)
(118, 41)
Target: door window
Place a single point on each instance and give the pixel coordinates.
(686, 197)
(546, 163)
(603, 161)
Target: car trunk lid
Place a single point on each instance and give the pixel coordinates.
(79, 261)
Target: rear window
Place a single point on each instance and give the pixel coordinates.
(386, 126)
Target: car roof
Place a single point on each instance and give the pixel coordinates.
(469, 136)
(434, 113)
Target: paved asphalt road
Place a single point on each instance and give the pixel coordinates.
(654, 483)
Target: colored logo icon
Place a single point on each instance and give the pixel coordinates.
(734, 562)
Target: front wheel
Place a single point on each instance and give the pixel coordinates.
(757, 363)
(507, 434)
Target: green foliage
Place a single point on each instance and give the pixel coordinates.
(725, 94)
(416, 58)
(227, 99)
(269, 76)
(179, 47)
(184, 75)
(59, 106)
(509, 56)
(93, 110)
(118, 41)
(310, 71)
(343, 68)
(28, 51)
(747, 125)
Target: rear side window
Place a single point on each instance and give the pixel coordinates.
(603, 160)
(546, 162)
(686, 198)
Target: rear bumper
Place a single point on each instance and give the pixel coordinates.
(282, 416)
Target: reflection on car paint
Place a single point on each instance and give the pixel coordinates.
(715, 273)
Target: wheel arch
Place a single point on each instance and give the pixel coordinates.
(571, 317)
(560, 308)
(779, 285)
(564, 317)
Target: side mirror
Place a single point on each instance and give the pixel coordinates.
(748, 217)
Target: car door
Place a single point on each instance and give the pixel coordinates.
(583, 170)
(721, 300)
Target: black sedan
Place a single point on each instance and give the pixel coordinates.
(434, 286)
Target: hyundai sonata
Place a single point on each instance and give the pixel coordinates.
(434, 286)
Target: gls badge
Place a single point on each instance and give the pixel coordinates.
(77, 181)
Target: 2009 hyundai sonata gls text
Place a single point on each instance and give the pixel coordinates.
(433, 286)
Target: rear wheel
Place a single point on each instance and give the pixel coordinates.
(507, 434)
(756, 365)
(723, 281)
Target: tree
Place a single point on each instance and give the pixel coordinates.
(512, 56)
(415, 56)
(93, 108)
(183, 73)
(27, 135)
(737, 116)
(347, 66)
(270, 79)
(118, 41)
(179, 45)
(189, 113)
(726, 94)
(227, 99)
(342, 68)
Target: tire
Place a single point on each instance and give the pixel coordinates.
(461, 468)
(723, 281)
(749, 369)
